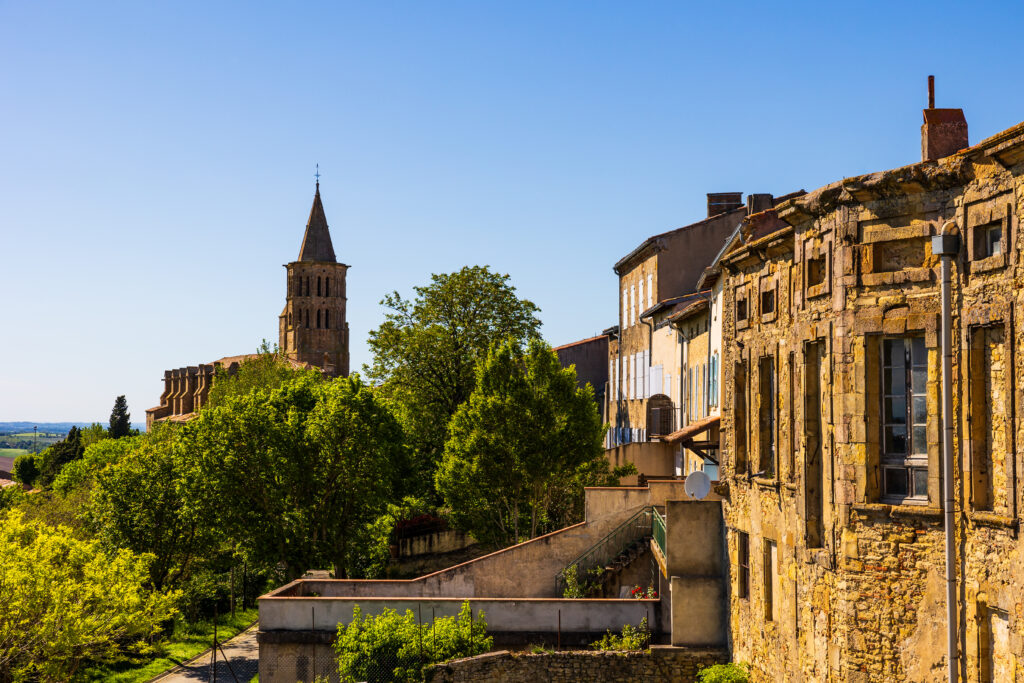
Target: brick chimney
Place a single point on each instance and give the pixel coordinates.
(944, 131)
(720, 202)
(758, 202)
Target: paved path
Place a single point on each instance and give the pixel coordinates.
(242, 652)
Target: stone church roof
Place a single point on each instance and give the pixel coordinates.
(316, 243)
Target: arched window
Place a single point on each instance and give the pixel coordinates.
(327, 319)
(318, 286)
(307, 285)
(289, 318)
(318, 318)
(327, 286)
(307, 318)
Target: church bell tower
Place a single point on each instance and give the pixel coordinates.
(312, 327)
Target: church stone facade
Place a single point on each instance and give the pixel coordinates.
(312, 331)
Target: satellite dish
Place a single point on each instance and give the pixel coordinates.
(697, 485)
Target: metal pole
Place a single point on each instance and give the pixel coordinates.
(947, 246)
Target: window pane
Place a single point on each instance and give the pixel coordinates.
(920, 483)
(920, 376)
(895, 381)
(920, 441)
(920, 410)
(919, 353)
(896, 411)
(896, 440)
(893, 352)
(895, 481)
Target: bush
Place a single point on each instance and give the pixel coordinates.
(632, 638)
(394, 647)
(724, 673)
(26, 469)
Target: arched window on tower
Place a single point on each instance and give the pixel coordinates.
(307, 318)
(327, 319)
(318, 318)
(327, 286)
(289, 318)
(318, 292)
(307, 285)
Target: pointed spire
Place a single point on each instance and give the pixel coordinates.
(316, 244)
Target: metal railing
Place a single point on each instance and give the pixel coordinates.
(658, 531)
(604, 552)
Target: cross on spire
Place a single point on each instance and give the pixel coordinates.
(317, 176)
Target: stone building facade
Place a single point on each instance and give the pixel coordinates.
(312, 331)
(831, 434)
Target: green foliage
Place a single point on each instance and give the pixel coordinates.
(724, 673)
(393, 647)
(267, 371)
(92, 434)
(426, 350)
(522, 448)
(66, 601)
(294, 472)
(377, 536)
(539, 650)
(120, 419)
(81, 473)
(58, 455)
(26, 469)
(142, 501)
(576, 588)
(631, 638)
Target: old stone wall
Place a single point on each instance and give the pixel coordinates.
(658, 664)
(834, 505)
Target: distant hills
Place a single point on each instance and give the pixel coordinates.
(53, 427)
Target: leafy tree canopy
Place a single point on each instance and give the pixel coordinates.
(426, 350)
(66, 601)
(296, 470)
(526, 439)
(54, 458)
(267, 370)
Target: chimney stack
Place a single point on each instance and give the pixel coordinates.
(758, 202)
(944, 131)
(720, 202)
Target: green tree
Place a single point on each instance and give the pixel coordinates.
(267, 370)
(26, 469)
(141, 502)
(66, 601)
(295, 471)
(58, 455)
(526, 436)
(426, 350)
(120, 419)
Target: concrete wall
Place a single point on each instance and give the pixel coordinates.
(652, 459)
(695, 565)
(503, 615)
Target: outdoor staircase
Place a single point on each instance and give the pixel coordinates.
(597, 572)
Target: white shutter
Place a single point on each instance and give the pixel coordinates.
(668, 384)
(650, 290)
(632, 304)
(656, 379)
(641, 296)
(625, 308)
(647, 373)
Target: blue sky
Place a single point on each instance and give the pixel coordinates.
(157, 158)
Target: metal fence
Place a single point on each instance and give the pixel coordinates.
(658, 530)
(606, 550)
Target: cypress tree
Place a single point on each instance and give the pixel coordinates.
(120, 419)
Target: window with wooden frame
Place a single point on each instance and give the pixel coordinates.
(742, 564)
(904, 461)
(771, 579)
(739, 410)
(767, 298)
(768, 416)
(742, 307)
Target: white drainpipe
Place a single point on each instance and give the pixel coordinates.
(947, 246)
